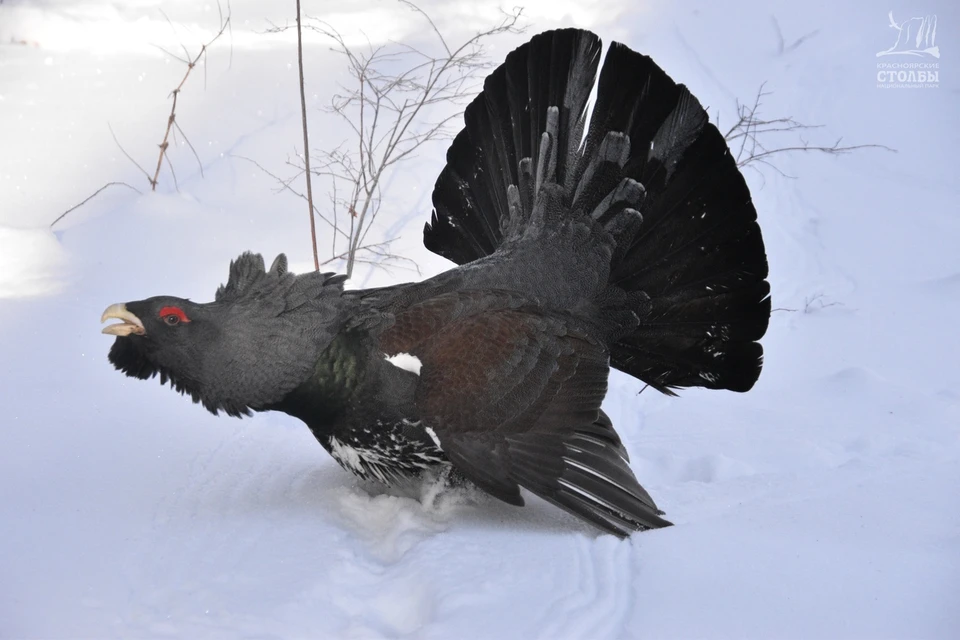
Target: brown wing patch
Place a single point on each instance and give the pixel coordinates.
(513, 393)
(421, 322)
(503, 371)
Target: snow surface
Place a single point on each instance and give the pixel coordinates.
(824, 503)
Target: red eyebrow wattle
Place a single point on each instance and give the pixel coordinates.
(174, 311)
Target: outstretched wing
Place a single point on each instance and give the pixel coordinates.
(513, 394)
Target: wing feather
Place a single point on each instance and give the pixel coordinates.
(513, 393)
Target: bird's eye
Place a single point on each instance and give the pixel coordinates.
(172, 316)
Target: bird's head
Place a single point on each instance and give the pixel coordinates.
(257, 341)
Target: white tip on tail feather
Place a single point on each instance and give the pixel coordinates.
(405, 361)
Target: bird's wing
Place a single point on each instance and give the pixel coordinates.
(513, 394)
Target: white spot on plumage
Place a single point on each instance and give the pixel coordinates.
(364, 462)
(346, 456)
(388, 457)
(405, 361)
(433, 436)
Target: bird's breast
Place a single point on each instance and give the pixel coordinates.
(388, 452)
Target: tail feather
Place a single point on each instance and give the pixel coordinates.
(651, 171)
(503, 128)
(634, 96)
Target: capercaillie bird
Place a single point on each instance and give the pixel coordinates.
(630, 242)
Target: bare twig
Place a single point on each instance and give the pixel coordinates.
(91, 197)
(176, 183)
(388, 115)
(782, 47)
(172, 118)
(811, 304)
(189, 144)
(173, 55)
(285, 185)
(756, 138)
(172, 125)
(389, 112)
(124, 152)
(173, 27)
(818, 299)
(380, 257)
(306, 143)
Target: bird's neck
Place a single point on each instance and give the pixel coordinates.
(332, 388)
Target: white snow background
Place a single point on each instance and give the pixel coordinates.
(825, 503)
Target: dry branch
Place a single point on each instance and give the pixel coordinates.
(756, 138)
(91, 197)
(389, 110)
(172, 124)
(172, 118)
(306, 141)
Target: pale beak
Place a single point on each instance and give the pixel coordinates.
(130, 324)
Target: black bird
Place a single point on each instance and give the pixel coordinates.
(633, 245)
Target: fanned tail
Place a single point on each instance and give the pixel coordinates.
(688, 265)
